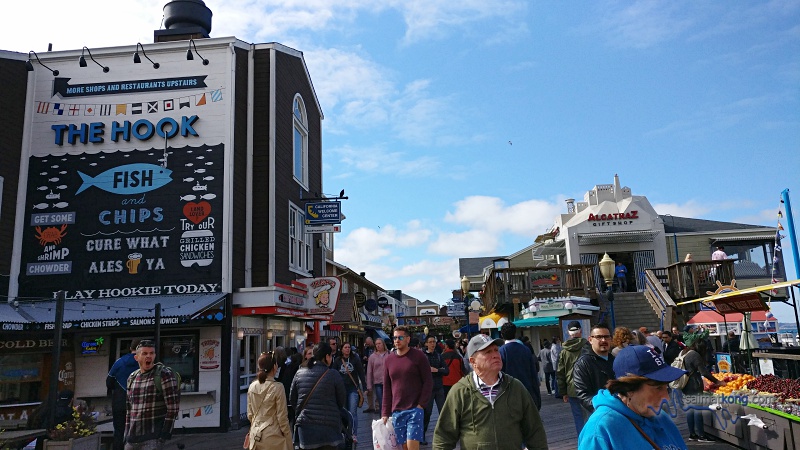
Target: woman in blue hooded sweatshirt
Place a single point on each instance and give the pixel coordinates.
(627, 412)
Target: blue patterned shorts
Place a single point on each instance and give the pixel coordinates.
(408, 425)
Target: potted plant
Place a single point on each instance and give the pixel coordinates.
(78, 433)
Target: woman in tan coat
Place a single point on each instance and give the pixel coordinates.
(266, 409)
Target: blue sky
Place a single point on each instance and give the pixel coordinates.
(457, 129)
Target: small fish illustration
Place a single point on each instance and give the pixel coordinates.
(208, 196)
(209, 150)
(42, 188)
(189, 164)
(40, 206)
(42, 173)
(128, 179)
(201, 157)
(63, 172)
(60, 205)
(208, 178)
(199, 170)
(150, 154)
(63, 186)
(188, 198)
(189, 151)
(53, 180)
(93, 164)
(83, 157)
(54, 166)
(188, 180)
(102, 157)
(126, 155)
(63, 159)
(209, 163)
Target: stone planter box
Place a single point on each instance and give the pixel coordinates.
(85, 443)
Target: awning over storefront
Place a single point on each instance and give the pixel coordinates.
(536, 322)
(382, 335)
(617, 237)
(550, 248)
(749, 237)
(116, 312)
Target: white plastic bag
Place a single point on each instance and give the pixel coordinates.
(383, 437)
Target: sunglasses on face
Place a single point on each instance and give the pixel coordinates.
(399, 338)
(602, 337)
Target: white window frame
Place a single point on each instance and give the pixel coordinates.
(301, 252)
(300, 128)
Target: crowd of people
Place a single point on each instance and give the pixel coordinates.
(486, 390)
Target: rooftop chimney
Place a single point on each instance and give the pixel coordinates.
(184, 20)
(570, 205)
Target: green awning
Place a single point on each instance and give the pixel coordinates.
(537, 322)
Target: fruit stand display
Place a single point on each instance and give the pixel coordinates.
(761, 412)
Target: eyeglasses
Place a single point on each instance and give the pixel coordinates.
(601, 337)
(399, 338)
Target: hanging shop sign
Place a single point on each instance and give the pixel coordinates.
(360, 298)
(323, 213)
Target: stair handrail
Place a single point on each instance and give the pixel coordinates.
(660, 300)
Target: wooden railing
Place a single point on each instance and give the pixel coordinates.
(524, 283)
(664, 287)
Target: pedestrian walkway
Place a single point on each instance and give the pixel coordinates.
(555, 414)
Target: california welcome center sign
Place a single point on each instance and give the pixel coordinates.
(125, 180)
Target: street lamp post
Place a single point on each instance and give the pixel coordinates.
(607, 271)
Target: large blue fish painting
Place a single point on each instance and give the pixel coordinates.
(129, 179)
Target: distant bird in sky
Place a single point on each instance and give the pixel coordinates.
(509, 143)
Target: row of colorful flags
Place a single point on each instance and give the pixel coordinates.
(125, 109)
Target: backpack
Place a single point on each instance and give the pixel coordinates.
(681, 382)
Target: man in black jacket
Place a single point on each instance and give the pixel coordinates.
(671, 347)
(438, 369)
(594, 367)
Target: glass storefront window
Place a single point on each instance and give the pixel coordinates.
(180, 354)
(20, 378)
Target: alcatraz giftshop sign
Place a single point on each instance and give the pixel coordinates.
(130, 201)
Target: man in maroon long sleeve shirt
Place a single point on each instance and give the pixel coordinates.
(407, 387)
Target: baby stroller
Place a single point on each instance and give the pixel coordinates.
(347, 429)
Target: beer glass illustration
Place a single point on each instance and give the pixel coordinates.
(134, 259)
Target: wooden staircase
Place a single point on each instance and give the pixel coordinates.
(631, 310)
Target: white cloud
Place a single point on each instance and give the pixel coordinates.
(528, 218)
(364, 246)
(690, 208)
(468, 243)
(381, 161)
(435, 19)
(641, 24)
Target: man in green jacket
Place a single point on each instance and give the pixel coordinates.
(570, 352)
(487, 408)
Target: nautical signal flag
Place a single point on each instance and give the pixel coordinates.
(201, 100)
(216, 95)
(169, 105)
(74, 110)
(152, 107)
(122, 109)
(136, 108)
(105, 110)
(184, 103)
(58, 109)
(43, 107)
(89, 110)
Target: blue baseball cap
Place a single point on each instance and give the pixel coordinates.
(645, 362)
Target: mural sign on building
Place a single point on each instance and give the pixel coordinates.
(125, 182)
